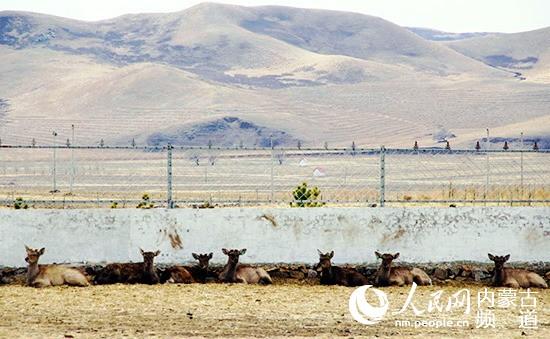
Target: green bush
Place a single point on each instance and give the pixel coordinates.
(145, 202)
(20, 204)
(305, 197)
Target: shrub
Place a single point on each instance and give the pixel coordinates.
(305, 197)
(145, 202)
(20, 204)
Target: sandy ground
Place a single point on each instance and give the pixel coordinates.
(234, 310)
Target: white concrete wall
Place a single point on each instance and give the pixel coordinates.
(293, 235)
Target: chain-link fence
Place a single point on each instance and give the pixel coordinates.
(101, 176)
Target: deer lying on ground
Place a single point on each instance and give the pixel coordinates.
(130, 273)
(235, 273)
(188, 274)
(334, 275)
(388, 275)
(514, 277)
(50, 275)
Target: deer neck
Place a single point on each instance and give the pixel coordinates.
(383, 274)
(230, 270)
(328, 272)
(201, 270)
(32, 272)
(500, 275)
(149, 268)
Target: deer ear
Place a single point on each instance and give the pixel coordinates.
(195, 255)
(27, 248)
(396, 255)
(210, 255)
(331, 254)
(42, 250)
(377, 254)
(319, 251)
(491, 257)
(157, 253)
(141, 251)
(243, 251)
(224, 250)
(506, 257)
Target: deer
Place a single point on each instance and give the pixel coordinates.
(246, 274)
(50, 275)
(130, 273)
(387, 275)
(514, 277)
(334, 275)
(189, 274)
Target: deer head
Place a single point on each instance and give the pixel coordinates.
(233, 254)
(499, 261)
(324, 260)
(33, 255)
(387, 258)
(204, 259)
(148, 257)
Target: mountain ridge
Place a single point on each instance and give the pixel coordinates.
(321, 76)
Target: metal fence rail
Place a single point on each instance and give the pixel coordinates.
(120, 176)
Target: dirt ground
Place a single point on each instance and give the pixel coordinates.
(236, 311)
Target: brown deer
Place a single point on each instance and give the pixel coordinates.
(130, 273)
(334, 275)
(50, 275)
(514, 277)
(188, 274)
(388, 275)
(235, 273)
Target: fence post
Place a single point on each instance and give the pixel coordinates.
(169, 202)
(487, 169)
(521, 166)
(382, 176)
(54, 168)
(73, 173)
(271, 198)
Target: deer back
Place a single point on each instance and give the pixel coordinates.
(56, 275)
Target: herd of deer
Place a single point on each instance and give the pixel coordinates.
(233, 272)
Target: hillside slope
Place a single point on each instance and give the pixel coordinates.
(310, 75)
(527, 53)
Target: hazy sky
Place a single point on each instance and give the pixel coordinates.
(448, 15)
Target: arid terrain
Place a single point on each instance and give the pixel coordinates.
(237, 311)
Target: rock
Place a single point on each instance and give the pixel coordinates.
(547, 275)
(477, 275)
(440, 273)
(311, 274)
(466, 271)
(454, 271)
(296, 275)
(481, 274)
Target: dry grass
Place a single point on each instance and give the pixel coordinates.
(224, 310)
